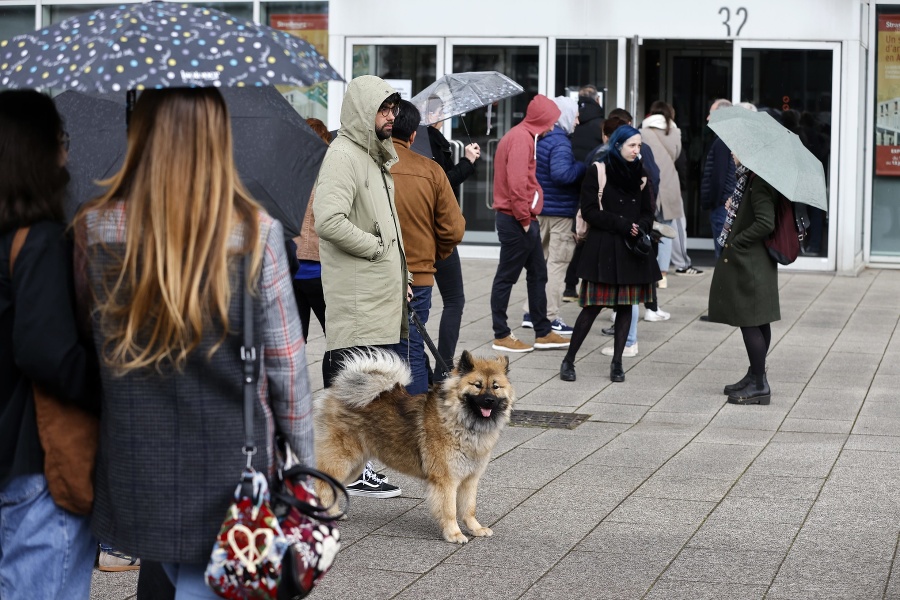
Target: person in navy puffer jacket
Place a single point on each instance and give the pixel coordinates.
(559, 175)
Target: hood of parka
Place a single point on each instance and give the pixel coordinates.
(361, 103)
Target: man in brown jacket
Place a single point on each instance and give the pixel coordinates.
(431, 224)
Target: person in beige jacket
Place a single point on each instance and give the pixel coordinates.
(660, 132)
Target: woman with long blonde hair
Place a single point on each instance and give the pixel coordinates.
(171, 247)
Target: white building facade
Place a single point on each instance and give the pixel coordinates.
(822, 66)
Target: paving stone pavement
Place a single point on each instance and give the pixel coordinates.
(666, 491)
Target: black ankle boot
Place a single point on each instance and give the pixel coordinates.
(616, 372)
(736, 387)
(756, 392)
(567, 370)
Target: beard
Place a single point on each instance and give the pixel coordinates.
(383, 133)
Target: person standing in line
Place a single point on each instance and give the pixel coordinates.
(432, 225)
(559, 176)
(307, 280)
(662, 135)
(448, 271)
(45, 551)
(364, 272)
(588, 133)
(717, 182)
(518, 199)
(744, 288)
(612, 274)
(172, 246)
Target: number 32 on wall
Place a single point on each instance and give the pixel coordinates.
(739, 14)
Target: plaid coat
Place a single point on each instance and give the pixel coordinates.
(170, 443)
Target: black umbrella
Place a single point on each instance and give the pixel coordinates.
(156, 45)
(276, 153)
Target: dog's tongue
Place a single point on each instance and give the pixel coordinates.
(485, 412)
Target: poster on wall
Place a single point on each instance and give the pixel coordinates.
(887, 110)
(309, 101)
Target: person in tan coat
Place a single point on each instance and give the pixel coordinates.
(432, 225)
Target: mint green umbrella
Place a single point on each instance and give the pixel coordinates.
(765, 147)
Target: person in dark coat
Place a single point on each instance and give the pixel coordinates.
(45, 551)
(588, 132)
(717, 182)
(612, 275)
(744, 288)
(448, 271)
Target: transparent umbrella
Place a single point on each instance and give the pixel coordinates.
(459, 93)
(777, 155)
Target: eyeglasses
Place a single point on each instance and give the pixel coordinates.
(64, 140)
(393, 109)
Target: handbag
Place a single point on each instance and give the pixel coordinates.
(246, 558)
(69, 434)
(308, 525)
(582, 226)
(790, 231)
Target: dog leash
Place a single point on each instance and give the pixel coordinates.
(445, 370)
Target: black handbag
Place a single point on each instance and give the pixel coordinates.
(641, 244)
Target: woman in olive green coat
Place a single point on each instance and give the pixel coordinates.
(744, 288)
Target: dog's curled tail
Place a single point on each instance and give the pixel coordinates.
(365, 374)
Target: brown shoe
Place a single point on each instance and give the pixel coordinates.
(550, 341)
(513, 344)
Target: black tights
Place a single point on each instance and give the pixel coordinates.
(757, 340)
(585, 321)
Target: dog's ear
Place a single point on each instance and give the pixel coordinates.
(465, 364)
(504, 360)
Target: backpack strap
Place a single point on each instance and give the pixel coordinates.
(18, 242)
(601, 182)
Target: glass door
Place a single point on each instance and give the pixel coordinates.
(410, 64)
(799, 85)
(523, 60)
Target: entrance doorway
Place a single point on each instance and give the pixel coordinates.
(689, 76)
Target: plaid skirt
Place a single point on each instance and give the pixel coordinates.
(594, 293)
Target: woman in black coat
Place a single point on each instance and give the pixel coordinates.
(744, 288)
(614, 275)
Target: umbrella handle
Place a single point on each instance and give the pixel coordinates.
(130, 98)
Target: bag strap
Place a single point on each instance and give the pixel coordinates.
(316, 512)
(249, 357)
(18, 242)
(441, 363)
(601, 182)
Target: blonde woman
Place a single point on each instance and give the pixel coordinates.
(167, 246)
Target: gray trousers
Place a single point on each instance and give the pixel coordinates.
(680, 258)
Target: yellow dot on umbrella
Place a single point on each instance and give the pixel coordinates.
(45, 75)
(67, 39)
(143, 40)
(271, 60)
(220, 68)
(76, 47)
(187, 34)
(21, 44)
(229, 22)
(73, 67)
(240, 84)
(133, 21)
(4, 43)
(140, 86)
(240, 39)
(4, 66)
(120, 69)
(18, 68)
(123, 39)
(171, 62)
(205, 12)
(220, 42)
(149, 60)
(91, 45)
(248, 59)
(87, 69)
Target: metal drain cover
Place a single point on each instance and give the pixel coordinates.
(554, 420)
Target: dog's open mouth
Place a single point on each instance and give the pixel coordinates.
(484, 405)
(486, 413)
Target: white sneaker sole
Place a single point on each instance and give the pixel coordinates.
(656, 319)
(608, 351)
(551, 345)
(375, 493)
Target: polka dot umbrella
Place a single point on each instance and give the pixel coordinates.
(156, 45)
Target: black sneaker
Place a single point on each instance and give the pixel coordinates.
(371, 484)
(570, 295)
(608, 330)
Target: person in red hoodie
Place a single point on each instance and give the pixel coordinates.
(518, 199)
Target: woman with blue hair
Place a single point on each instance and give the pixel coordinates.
(614, 271)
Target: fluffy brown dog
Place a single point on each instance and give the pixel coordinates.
(444, 437)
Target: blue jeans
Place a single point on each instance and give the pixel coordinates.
(631, 340)
(45, 552)
(519, 249)
(413, 350)
(664, 253)
(189, 581)
(717, 222)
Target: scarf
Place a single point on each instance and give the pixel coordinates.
(624, 175)
(742, 175)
